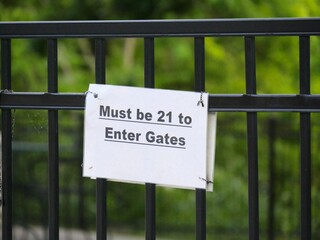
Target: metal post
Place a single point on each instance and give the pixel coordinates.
(101, 188)
(305, 141)
(53, 193)
(6, 144)
(81, 192)
(150, 189)
(271, 190)
(252, 135)
(199, 68)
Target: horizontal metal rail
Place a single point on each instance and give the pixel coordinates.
(52, 101)
(161, 28)
(217, 102)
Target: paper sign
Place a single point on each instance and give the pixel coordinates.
(144, 135)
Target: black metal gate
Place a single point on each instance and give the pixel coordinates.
(249, 102)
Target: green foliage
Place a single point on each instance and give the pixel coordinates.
(277, 73)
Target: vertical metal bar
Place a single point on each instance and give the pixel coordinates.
(150, 198)
(271, 191)
(150, 211)
(81, 191)
(53, 142)
(252, 135)
(101, 218)
(6, 144)
(305, 141)
(199, 64)
(149, 62)
(101, 187)
(199, 69)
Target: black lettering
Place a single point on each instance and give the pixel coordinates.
(124, 134)
(150, 136)
(184, 120)
(140, 115)
(148, 116)
(129, 113)
(117, 135)
(122, 114)
(173, 140)
(121, 135)
(108, 132)
(114, 113)
(180, 118)
(159, 139)
(131, 136)
(104, 111)
(182, 141)
(166, 137)
(188, 120)
(161, 117)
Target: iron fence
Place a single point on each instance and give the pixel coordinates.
(250, 102)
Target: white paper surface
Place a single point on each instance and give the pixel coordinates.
(211, 147)
(147, 136)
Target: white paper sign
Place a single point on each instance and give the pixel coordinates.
(148, 136)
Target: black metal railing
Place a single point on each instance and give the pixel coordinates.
(249, 102)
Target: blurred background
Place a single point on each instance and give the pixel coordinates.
(227, 205)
